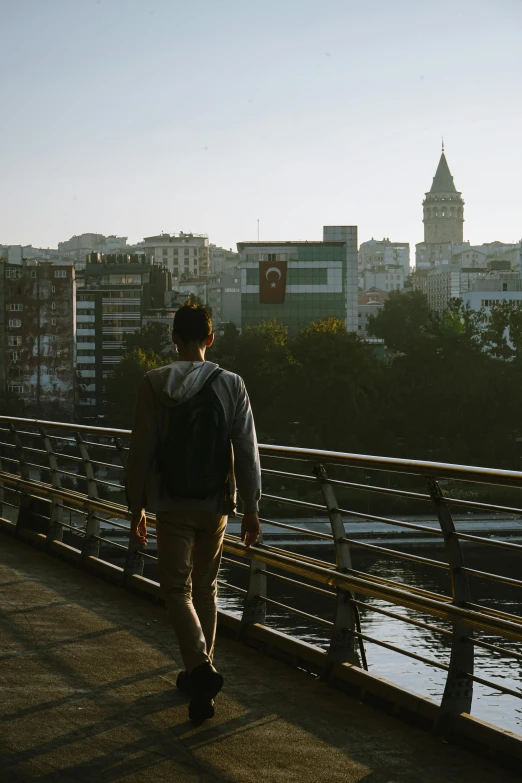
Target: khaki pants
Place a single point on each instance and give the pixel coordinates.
(189, 554)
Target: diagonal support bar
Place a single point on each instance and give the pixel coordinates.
(458, 692)
(342, 643)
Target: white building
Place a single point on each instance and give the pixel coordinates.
(485, 299)
(185, 255)
(376, 253)
(222, 262)
(386, 278)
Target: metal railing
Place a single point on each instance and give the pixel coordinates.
(57, 479)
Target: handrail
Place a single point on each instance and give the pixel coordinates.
(368, 461)
(328, 576)
(349, 586)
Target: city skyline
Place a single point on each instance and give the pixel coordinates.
(120, 123)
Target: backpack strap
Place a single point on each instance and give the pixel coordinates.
(211, 378)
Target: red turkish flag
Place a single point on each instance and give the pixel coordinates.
(272, 282)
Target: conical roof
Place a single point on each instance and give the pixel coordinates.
(443, 181)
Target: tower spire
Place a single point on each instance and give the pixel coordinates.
(443, 143)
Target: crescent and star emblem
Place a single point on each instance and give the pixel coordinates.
(277, 271)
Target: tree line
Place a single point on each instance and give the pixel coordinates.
(448, 389)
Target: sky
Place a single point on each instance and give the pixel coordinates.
(133, 117)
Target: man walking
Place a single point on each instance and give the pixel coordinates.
(193, 438)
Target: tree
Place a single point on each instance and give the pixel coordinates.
(334, 388)
(225, 346)
(122, 385)
(261, 356)
(152, 338)
(404, 320)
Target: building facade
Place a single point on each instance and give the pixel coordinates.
(184, 255)
(385, 278)
(112, 300)
(37, 335)
(378, 253)
(222, 262)
(320, 280)
(224, 299)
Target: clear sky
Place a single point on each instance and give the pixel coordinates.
(133, 117)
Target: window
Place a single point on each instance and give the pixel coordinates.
(53, 289)
(51, 371)
(16, 388)
(14, 274)
(53, 306)
(33, 272)
(52, 338)
(15, 308)
(14, 323)
(123, 279)
(60, 272)
(14, 340)
(14, 356)
(53, 321)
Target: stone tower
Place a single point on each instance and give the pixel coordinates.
(443, 215)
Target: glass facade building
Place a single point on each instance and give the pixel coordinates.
(321, 280)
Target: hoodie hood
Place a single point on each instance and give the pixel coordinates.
(179, 381)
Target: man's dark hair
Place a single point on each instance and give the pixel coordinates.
(192, 322)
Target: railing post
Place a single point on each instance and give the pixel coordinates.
(55, 527)
(458, 692)
(90, 545)
(121, 453)
(254, 607)
(342, 643)
(1, 490)
(24, 516)
(134, 561)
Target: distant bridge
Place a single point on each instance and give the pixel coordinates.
(56, 480)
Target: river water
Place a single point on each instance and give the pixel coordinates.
(500, 709)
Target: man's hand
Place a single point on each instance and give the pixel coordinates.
(250, 528)
(139, 527)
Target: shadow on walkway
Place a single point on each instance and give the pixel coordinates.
(87, 674)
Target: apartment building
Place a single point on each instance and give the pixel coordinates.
(37, 335)
(115, 294)
(184, 255)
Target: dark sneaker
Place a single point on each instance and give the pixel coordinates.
(206, 683)
(184, 684)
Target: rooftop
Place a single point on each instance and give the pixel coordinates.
(286, 243)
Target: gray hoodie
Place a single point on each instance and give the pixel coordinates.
(164, 388)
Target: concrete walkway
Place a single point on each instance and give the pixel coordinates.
(87, 675)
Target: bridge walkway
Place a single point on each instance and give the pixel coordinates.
(87, 686)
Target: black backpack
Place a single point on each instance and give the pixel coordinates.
(195, 453)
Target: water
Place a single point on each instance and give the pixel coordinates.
(500, 709)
